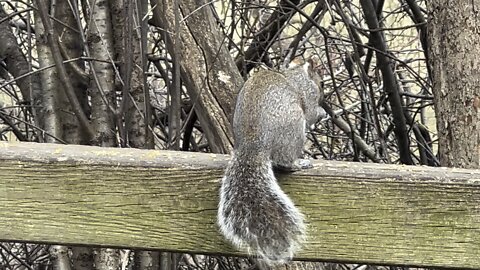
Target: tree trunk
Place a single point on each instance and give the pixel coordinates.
(129, 54)
(100, 41)
(454, 45)
(207, 69)
(82, 258)
(59, 256)
(146, 260)
(107, 259)
(69, 37)
(49, 119)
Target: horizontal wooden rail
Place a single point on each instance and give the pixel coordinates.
(356, 212)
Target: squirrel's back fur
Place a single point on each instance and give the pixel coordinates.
(269, 130)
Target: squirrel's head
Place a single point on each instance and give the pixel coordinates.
(307, 78)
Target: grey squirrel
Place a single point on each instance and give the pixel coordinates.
(272, 111)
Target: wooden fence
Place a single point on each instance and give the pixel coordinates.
(356, 212)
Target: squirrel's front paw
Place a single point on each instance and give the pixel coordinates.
(303, 164)
(297, 165)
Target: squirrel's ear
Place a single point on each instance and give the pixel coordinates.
(307, 66)
(295, 63)
(314, 62)
(315, 70)
(311, 67)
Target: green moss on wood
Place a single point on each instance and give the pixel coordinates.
(164, 200)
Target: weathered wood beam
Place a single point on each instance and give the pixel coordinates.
(356, 212)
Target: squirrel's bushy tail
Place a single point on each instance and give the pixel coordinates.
(254, 213)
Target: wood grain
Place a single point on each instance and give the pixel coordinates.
(356, 212)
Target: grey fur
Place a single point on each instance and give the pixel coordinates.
(269, 123)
